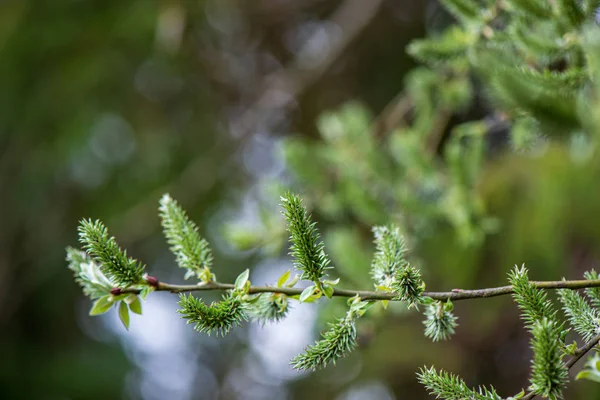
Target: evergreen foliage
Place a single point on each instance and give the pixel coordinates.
(191, 250)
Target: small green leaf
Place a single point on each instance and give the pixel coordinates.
(241, 280)
(519, 395)
(118, 297)
(146, 291)
(385, 303)
(571, 349)
(332, 283)
(102, 305)
(353, 301)
(589, 375)
(124, 314)
(283, 278)
(328, 291)
(294, 280)
(306, 293)
(136, 306)
(427, 301)
(448, 306)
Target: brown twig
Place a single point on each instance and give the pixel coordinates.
(454, 295)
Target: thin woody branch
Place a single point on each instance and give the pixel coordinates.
(454, 295)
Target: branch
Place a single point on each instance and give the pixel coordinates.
(455, 294)
(580, 352)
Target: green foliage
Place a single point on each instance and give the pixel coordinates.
(590, 7)
(88, 274)
(336, 343)
(584, 319)
(409, 285)
(591, 371)
(538, 65)
(123, 271)
(390, 269)
(102, 305)
(593, 293)
(531, 8)
(532, 302)
(465, 10)
(389, 257)
(124, 314)
(191, 250)
(549, 374)
(450, 47)
(218, 317)
(307, 248)
(440, 322)
(450, 387)
(269, 307)
(572, 10)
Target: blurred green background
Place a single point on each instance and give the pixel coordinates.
(105, 105)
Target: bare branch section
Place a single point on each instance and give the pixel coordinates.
(454, 295)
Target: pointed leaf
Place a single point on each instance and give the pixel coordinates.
(589, 375)
(328, 291)
(306, 293)
(146, 291)
(124, 314)
(102, 305)
(294, 280)
(241, 280)
(283, 278)
(136, 306)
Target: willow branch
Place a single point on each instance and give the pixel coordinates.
(580, 352)
(454, 295)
